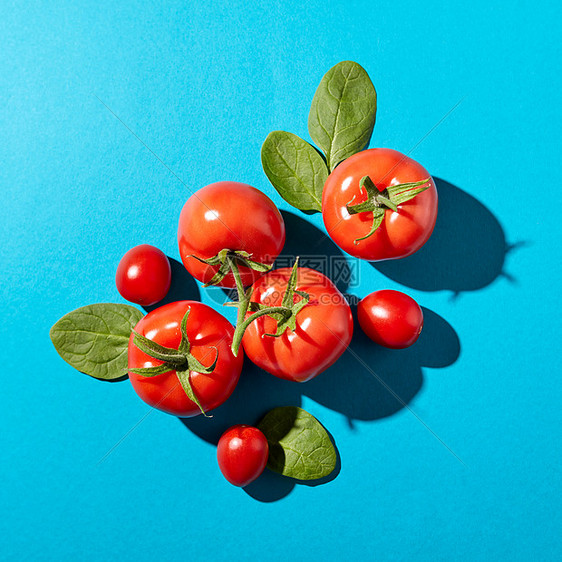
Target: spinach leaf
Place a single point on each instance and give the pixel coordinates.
(343, 111)
(299, 446)
(296, 170)
(94, 339)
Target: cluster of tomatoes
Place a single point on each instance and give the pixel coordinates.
(185, 358)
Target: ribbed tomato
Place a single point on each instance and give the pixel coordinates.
(323, 327)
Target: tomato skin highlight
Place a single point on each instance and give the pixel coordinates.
(323, 333)
(143, 275)
(242, 454)
(390, 318)
(402, 232)
(206, 330)
(229, 215)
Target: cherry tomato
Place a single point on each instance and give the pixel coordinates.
(144, 275)
(323, 327)
(242, 454)
(234, 216)
(402, 232)
(390, 318)
(209, 334)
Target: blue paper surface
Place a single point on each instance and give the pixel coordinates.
(112, 113)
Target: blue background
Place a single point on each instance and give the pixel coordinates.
(470, 469)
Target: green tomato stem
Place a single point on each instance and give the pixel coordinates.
(378, 201)
(286, 311)
(179, 360)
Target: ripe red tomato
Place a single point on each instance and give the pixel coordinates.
(390, 318)
(209, 334)
(242, 454)
(323, 327)
(234, 216)
(144, 275)
(402, 232)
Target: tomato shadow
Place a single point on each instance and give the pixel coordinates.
(315, 250)
(182, 288)
(256, 394)
(370, 382)
(466, 252)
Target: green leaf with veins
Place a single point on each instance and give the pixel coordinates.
(295, 169)
(94, 339)
(343, 112)
(299, 446)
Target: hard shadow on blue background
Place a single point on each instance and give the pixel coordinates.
(202, 84)
(457, 257)
(466, 251)
(393, 377)
(182, 288)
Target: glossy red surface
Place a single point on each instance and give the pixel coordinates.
(209, 333)
(143, 275)
(390, 318)
(242, 454)
(323, 332)
(402, 232)
(234, 216)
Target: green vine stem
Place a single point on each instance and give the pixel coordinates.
(223, 260)
(180, 360)
(284, 315)
(378, 201)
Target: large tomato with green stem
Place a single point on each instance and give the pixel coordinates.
(379, 204)
(298, 323)
(180, 358)
(229, 219)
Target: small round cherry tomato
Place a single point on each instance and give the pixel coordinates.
(234, 216)
(402, 232)
(242, 454)
(390, 318)
(144, 275)
(323, 327)
(210, 336)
